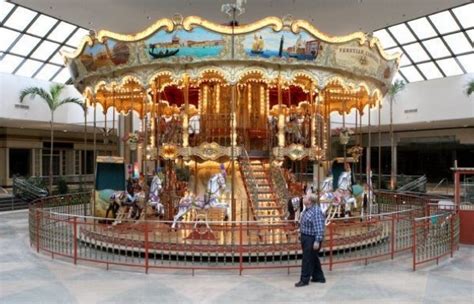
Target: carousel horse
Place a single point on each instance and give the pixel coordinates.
(154, 197)
(215, 186)
(194, 125)
(116, 200)
(295, 207)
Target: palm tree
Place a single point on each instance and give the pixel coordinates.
(52, 98)
(393, 91)
(470, 88)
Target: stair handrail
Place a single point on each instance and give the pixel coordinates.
(253, 185)
(27, 189)
(281, 187)
(415, 184)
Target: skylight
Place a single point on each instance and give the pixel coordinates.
(434, 46)
(30, 43)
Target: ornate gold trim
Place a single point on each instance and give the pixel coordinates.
(191, 21)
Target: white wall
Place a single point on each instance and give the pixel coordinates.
(10, 88)
(434, 100)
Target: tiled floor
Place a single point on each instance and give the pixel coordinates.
(26, 277)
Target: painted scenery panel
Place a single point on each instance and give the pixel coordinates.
(266, 43)
(195, 43)
(111, 52)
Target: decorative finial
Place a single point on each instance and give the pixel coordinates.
(231, 8)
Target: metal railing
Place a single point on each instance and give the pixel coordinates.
(281, 188)
(58, 227)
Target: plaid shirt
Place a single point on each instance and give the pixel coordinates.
(312, 222)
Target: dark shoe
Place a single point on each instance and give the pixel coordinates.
(318, 280)
(301, 284)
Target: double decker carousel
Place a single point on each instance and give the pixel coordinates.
(226, 111)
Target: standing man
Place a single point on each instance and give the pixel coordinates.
(312, 235)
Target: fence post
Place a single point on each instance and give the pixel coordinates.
(37, 215)
(414, 245)
(75, 239)
(241, 266)
(145, 231)
(392, 237)
(452, 233)
(331, 245)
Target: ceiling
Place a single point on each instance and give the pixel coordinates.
(334, 17)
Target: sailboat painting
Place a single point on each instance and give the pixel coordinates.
(111, 52)
(198, 43)
(266, 43)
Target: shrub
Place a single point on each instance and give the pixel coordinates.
(62, 186)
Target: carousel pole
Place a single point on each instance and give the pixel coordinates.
(95, 153)
(379, 179)
(157, 97)
(145, 113)
(114, 111)
(232, 122)
(360, 140)
(368, 164)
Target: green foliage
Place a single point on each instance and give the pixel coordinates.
(396, 88)
(62, 186)
(182, 174)
(51, 97)
(470, 88)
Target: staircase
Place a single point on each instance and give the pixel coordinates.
(265, 205)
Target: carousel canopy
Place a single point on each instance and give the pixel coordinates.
(171, 59)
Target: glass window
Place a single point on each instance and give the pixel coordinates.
(63, 76)
(467, 62)
(29, 68)
(411, 74)
(61, 32)
(47, 72)
(45, 50)
(20, 18)
(9, 63)
(8, 36)
(385, 38)
(404, 59)
(470, 33)
(5, 8)
(458, 43)
(402, 33)
(77, 37)
(416, 52)
(422, 28)
(25, 45)
(449, 67)
(19, 161)
(57, 58)
(465, 15)
(436, 48)
(430, 70)
(42, 25)
(444, 22)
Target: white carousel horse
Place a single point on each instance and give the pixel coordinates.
(194, 125)
(116, 200)
(215, 187)
(331, 201)
(154, 197)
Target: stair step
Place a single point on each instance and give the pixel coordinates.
(260, 207)
(269, 216)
